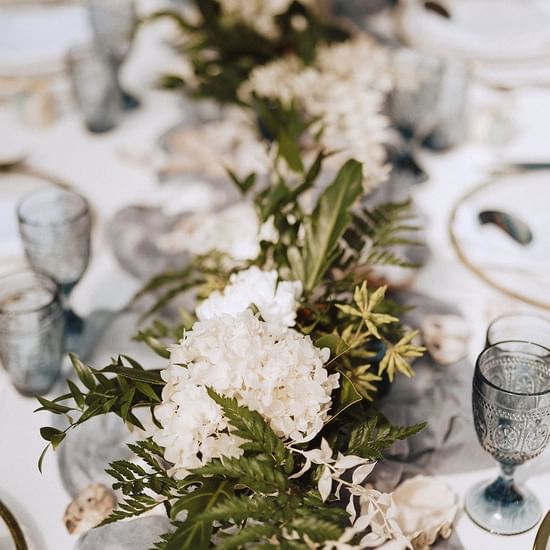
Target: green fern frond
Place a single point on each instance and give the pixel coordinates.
(374, 234)
(247, 535)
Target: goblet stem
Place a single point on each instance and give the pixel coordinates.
(503, 489)
(74, 324)
(128, 101)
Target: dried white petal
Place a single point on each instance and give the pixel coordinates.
(349, 461)
(325, 484)
(350, 509)
(361, 473)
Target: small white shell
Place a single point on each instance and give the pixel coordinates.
(445, 337)
(425, 510)
(92, 505)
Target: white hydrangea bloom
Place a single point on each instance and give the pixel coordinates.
(259, 14)
(235, 231)
(276, 302)
(344, 90)
(274, 370)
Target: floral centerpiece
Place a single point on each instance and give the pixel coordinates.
(223, 40)
(260, 432)
(303, 82)
(335, 102)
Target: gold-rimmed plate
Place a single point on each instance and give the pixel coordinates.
(542, 540)
(11, 535)
(519, 270)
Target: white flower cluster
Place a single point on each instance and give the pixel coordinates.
(259, 14)
(345, 90)
(276, 302)
(235, 231)
(274, 370)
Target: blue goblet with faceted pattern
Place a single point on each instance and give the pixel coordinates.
(114, 23)
(55, 227)
(511, 407)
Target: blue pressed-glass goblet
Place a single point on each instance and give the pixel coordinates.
(527, 327)
(114, 23)
(55, 227)
(511, 407)
(95, 88)
(31, 331)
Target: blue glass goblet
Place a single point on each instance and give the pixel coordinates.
(31, 331)
(511, 407)
(113, 23)
(55, 227)
(527, 327)
(95, 88)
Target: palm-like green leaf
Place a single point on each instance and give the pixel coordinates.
(326, 226)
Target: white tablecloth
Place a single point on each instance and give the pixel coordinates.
(101, 168)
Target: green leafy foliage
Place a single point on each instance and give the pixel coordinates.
(374, 234)
(131, 387)
(369, 438)
(269, 496)
(258, 491)
(250, 426)
(326, 226)
(224, 50)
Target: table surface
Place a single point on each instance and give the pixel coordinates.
(118, 168)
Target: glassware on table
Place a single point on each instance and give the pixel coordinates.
(55, 226)
(511, 408)
(528, 327)
(32, 324)
(113, 23)
(413, 101)
(95, 88)
(451, 121)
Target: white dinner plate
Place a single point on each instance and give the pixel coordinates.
(520, 271)
(35, 38)
(499, 36)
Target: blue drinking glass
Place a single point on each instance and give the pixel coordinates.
(113, 23)
(527, 327)
(32, 325)
(55, 227)
(511, 408)
(95, 88)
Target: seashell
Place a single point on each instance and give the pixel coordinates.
(511, 225)
(425, 510)
(92, 505)
(445, 337)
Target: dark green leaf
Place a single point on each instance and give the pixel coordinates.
(48, 405)
(48, 432)
(328, 223)
(347, 395)
(83, 371)
(148, 376)
(288, 149)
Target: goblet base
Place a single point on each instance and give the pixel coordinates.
(506, 516)
(129, 101)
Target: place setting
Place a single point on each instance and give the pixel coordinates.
(308, 313)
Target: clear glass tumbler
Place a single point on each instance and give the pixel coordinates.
(55, 227)
(95, 88)
(32, 326)
(511, 408)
